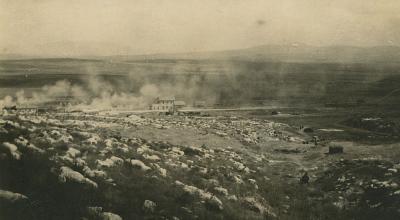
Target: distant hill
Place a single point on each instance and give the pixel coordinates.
(289, 53)
(66, 49)
(297, 53)
(10, 56)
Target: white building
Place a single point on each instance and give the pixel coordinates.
(165, 104)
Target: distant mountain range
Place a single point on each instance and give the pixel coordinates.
(269, 53)
(291, 53)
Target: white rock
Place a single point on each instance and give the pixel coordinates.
(232, 198)
(237, 179)
(221, 190)
(393, 170)
(238, 165)
(55, 133)
(144, 149)
(110, 162)
(162, 171)
(94, 139)
(110, 216)
(79, 162)
(215, 202)
(117, 160)
(139, 164)
(67, 174)
(151, 157)
(109, 143)
(255, 205)
(176, 152)
(203, 195)
(21, 141)
(149, 206)
(72, 152)
(252, 181)
(11, 196)
(13, 150)
(94, 173)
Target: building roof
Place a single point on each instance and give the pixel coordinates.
(167, 98)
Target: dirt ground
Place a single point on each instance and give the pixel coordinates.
(195, 168)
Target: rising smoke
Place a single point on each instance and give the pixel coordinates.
(135, 90)
(95, 93)
(106, 86)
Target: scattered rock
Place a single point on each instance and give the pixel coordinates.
(258, 206)
(67, 174)
(221, 190)
(110, 216)
(139, 165)
(13, 150)
(149, 206)
(11, 196)
(72, 152)
(110, 162)
(151, 157)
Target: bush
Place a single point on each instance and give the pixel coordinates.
(308, 130)
(335, 149)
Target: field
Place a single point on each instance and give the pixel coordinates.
(226, 164)
(224, 83)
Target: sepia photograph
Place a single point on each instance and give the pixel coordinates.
(199, 110)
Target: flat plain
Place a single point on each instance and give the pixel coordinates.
(242, 156)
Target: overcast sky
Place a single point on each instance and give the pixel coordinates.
(104, 27)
